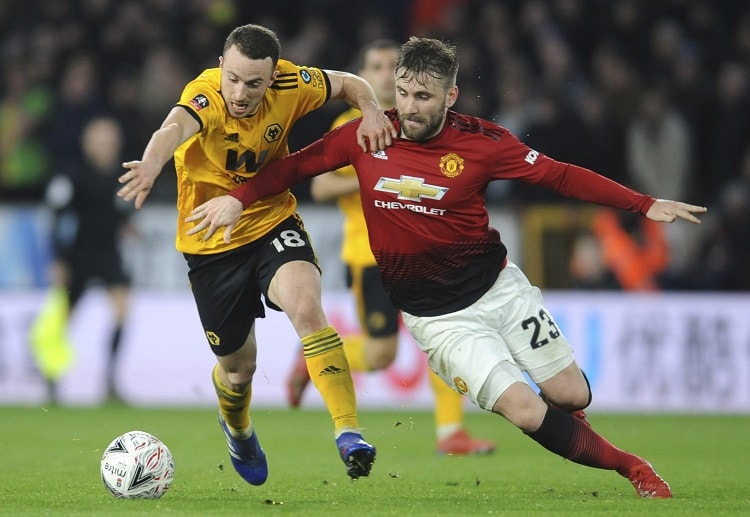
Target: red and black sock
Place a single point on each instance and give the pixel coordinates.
(571, 438)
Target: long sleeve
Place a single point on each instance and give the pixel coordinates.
(519, 162)
(327, 153)
(581, 183)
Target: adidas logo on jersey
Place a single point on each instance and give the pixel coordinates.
(380, 155)
(330, 370)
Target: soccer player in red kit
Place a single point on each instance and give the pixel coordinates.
(472, 311)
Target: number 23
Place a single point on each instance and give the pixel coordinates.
(535, 324)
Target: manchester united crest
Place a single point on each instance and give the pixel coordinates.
(460, 384)
(451, 165)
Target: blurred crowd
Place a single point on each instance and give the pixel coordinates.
(655, 95)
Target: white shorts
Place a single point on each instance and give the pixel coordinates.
(483, 349)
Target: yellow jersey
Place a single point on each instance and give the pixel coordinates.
(227, 151)
(355, 244)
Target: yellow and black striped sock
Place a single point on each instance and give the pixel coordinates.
(234, 406)
(449, 409)
(331, 375)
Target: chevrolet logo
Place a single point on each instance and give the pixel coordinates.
(411, 188)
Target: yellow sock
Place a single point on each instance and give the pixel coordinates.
(234, 407)
(449, 409)
(330, 372)
(354, 346)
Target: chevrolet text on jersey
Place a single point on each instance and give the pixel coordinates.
(395, 205)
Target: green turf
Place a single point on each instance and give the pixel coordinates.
(49, 465)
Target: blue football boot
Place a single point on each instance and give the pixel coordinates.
(358, 455)
(247, 456)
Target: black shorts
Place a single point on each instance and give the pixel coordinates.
(228, 287)
(377, 315)
(94, 266)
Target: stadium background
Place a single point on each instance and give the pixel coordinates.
(568, 76)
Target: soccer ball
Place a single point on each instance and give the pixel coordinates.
(137, 465)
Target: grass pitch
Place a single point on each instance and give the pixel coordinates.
(49, 465)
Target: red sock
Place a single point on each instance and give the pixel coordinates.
(569, 437)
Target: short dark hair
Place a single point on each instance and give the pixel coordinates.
(255, 42)
(378, 44)
(431, 57)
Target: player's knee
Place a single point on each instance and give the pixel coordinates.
(306, 315)
(589, 394)
(521, 406)
(527, 417)
(381, 351)
(581, 399)
(580, 395)
(569, 390)
(241, 377)
(574, 398)
(381, 358)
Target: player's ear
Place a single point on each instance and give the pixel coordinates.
(273, 77)
(221, 61)
(452, 95)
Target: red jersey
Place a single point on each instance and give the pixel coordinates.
(425, 207)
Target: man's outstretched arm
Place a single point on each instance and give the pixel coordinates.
(225, 211)
(141, 174)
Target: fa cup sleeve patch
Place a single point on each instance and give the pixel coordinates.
(199, 102)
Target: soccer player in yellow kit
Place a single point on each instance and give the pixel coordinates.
(375, 349)
(230, 122)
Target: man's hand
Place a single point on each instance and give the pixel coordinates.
(137, 182)
(666, 211)
(215, 213)
(377, 128)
